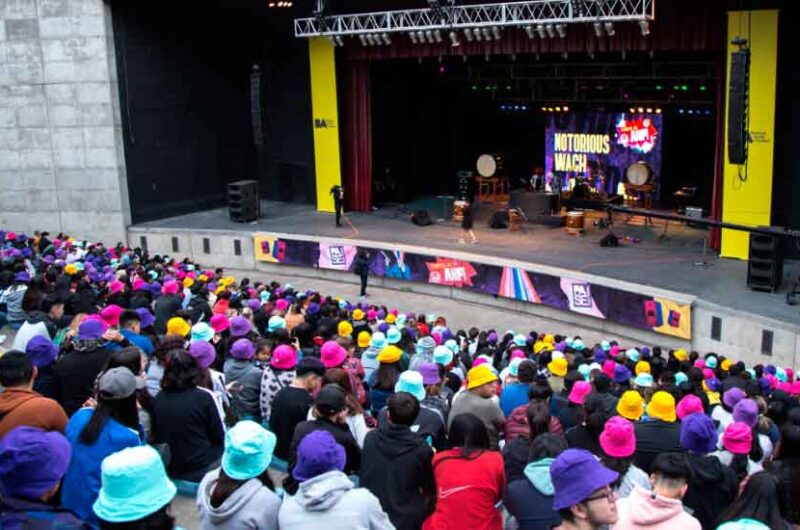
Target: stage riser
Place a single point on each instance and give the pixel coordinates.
(741, 331)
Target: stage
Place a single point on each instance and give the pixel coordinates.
(659, 266)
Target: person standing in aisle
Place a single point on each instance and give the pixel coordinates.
(361, 267)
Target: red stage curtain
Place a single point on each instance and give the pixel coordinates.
(357, 136)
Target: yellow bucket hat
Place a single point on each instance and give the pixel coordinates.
(480, 375)
(178, 326)
(358, 314)
(662, 407)
(390, 354)
(681, 355)
(345, 329)
(363, 339)
(558, 367)
(631, 405)
(642, 367)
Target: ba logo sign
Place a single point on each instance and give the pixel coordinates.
(321, 123)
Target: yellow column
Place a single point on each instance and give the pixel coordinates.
(747, 193)
(325, 120)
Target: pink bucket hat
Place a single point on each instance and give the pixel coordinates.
(708, 373)
(690, 404)
(219, 323)
(115, 287)
(332, 355)
(608, 368)
(170, 287)
(618, 439)
(281, 304)
(737, 438)
(284, 357)
(110, 314)
(579, 391)
(700, 363)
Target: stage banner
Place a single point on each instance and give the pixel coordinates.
(568, 294)
(600, 146)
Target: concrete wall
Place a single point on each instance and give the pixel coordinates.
(62, 167)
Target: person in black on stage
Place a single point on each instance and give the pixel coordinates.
(466, 225)
(361, 267)
(338, 202)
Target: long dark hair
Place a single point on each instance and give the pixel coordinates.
(538, 415)
(468, 433)
(225, 486)
(122, 410)
(386, 376)
(340, 377)
(158, 520)
(759, 501)
(181, 372)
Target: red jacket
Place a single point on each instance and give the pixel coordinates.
(467, 491)
(517, 424)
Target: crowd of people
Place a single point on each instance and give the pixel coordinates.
(132, 377)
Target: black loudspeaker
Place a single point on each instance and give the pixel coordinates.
(737, 107)
(421, 218)
(243, 205)
(609, 240)
(765, 266)
(499, 220)
(465, 186)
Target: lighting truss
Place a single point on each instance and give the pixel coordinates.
(500, 15)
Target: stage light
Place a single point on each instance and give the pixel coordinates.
(496, 33)
(339, 40)
(631, 110)
(649, 110)
(271, 4)
(659, 87)
(363, 39)
(702, 88)
(540, 31)
(371, 39)
(691, 111)
(641, 110)
(658, 111)
(598, 29)
(413, 37)
(421, 37)
(468, 35)
(332, 39)
(566, 109)
(610, 29)
(558, 109)
(561, 29)
(708, 113)
(544, 109)
(524, 107)
(429, 36)
(529, 31)
(644, 26)
(474, 88)
(386, 39)
(550, 31)
(437, 36)
(680, 111)
(442, 69)
(477, 33)
(487, 34)
(684, 88)
(453, 38)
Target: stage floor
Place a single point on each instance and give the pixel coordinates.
(667, 263)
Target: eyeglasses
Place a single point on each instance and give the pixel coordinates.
(607, 494)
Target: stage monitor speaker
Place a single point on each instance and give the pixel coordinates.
(765, 266)
(243, 205)
(421, 218)
(737, 107)
(499, 220)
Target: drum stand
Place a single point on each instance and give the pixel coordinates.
(703, 263)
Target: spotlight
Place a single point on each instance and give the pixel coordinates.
(478, 36)
(496, 33)
(371, 39)
(550, 31)
(468, 35)
(386, 39)
(421, 37)
(437, 36)
(631, 110)
(544, 109)
(332, 39)
(413, 37)
(598, 29)
(561, 29)
(540, 31)
(549, 109)
(558, 109)
(339, 40)
(429, 36)
(486, 34)
(453, 38)
(658, 111)
(363, 39)
(529, 31)
(565, 108)
(610, 29)
(641, 110)
(644, 25)
(649, 110)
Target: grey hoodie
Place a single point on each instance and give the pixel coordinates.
(247, 391)
(331, 501)
(251, 506)
(369, 360)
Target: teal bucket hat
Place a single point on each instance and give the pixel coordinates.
(134, 485)
(248, 450)
(393, 335)
(202, 332)
(411, 382)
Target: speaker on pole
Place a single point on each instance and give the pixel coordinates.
(243, 205)
(737, 105)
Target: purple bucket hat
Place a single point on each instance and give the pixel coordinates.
(733, 396)
(318, 453)
(146, 318)
(203, 352)
(32, 461)
(576, 474)
(240, 326)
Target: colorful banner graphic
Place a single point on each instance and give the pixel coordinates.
(568, 294)
(600, 146)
